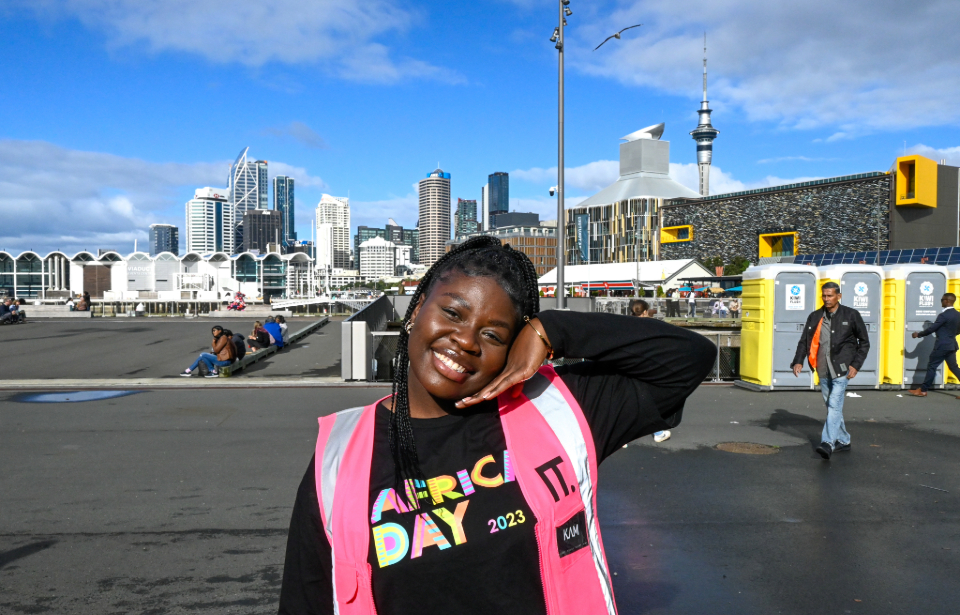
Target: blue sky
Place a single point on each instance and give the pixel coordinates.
(113, 111)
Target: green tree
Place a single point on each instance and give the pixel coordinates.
(737, 265)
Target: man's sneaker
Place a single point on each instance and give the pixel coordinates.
(660, 436)
(213, 374)
(825, 450)
(841, 448)
(186, 373)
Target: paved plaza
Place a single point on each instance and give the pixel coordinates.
(177, 501)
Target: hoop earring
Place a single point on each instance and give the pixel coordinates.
(407, 327)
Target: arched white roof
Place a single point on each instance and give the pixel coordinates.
(112, 256)
(83, 255)
(167, 256)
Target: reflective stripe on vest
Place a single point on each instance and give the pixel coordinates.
(550, 429)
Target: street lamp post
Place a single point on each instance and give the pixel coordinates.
(564, 11)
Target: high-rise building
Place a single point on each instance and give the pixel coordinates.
(379, 258)
(485, 207)
(434, 216)
(247, 189)
(263, 201)
(262, 228)
(466, 218)
(210, 222)
(498, 195)
(335, 211)
(284, 203)
(164, 238)
(392, 232)
(324, 249)
(364, 233)
(705, 133)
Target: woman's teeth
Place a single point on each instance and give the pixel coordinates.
(450, 363)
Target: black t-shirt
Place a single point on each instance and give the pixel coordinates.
(474, 551)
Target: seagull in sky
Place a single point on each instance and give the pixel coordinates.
(617, 35)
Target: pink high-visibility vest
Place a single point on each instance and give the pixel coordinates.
(552, 454)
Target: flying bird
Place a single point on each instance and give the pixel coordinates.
(617, 35)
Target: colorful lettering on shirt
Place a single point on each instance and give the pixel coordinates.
(387, 500)
(410, 488)
(507, 468)
(455, 521)
(480, 479)
(442, 486)
(391, 543)
(465, 483)
(427, 534)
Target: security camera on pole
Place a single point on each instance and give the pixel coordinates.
(561, 219)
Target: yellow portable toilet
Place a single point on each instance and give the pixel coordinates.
(953, 286)
(861, 287)
(911, 302)
(776, 301)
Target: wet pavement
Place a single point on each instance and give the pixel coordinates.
(171, 501)
(108, 348)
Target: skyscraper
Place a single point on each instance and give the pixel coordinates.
(484, 218)
(434, 216)
(498, 195)
(164, 238)
(210, 222)
(705, 133)
(284, 203)
(335, 211)
(263, 201)
(466, 218)
(247, 189)
(261, 228)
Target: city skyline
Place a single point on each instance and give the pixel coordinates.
(127, 157)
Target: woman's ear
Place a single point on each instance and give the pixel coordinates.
(416, 310)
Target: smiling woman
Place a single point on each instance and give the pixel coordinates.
(483, 449)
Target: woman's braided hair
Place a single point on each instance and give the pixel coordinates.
(476, 257)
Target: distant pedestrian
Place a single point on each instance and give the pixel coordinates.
(283, 325)
(223, 354)
(835, 343)
(946, 327)
(691, 304)
(70, 304)
(7, 315)
(86, 301)
(239, 344)
(735, 308)
(276, 333)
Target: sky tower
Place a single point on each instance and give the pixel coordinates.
(704, 134)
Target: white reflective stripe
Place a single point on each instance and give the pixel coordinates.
(561, 418)
(343, 427)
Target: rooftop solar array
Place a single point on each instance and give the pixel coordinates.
(931, 256)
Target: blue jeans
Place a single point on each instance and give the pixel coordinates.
(834, 430)
(210, 360)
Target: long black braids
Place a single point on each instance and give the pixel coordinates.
(476, 257)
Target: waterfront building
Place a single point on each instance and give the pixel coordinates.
(263, 231)
(434, 216)
(210, 222)
(466, 218)
(164, 238)
(621, 223)
(283, 201)
(498, 195)
(335, 211)
(380, 258)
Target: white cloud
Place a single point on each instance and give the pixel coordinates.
(342, 35)
(856, 66)
(300, 132)
(950, 154)
(590, 177)
(57, 198)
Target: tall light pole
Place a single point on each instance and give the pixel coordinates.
(564, 11)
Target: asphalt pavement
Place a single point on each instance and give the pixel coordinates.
(177, 501)
(109, 348)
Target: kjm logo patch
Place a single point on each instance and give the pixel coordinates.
(572, 535)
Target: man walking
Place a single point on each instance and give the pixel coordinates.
(692, 304)
(946, 327)
(835, 343)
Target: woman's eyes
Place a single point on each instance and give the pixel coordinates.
(451, 313)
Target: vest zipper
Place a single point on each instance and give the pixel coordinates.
(373, 605)
(543, 583)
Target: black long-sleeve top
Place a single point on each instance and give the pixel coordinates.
(638, 373)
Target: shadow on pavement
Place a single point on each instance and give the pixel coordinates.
(8, 557)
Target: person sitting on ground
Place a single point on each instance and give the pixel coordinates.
(276, 333)
(70, 304)
(283, 325)
(239, 343)
(259, 338)
(86, 301)
(223, 354)
(16, 308)
(7, 315)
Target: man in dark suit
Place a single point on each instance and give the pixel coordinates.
(835, 342)
(946, 327)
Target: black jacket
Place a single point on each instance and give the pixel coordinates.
(848, 339)
(946, 326)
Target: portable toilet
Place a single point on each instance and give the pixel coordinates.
(953, 286)
(861, 287)
(911, 302)
(776, 301)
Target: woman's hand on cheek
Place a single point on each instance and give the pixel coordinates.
(526, 356)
